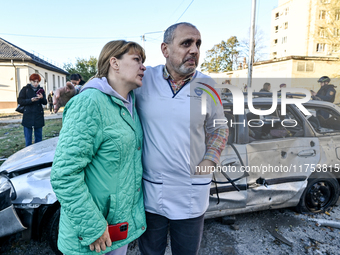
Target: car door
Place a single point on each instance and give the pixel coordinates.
(279, 157)
(223, 194)
(325, 121)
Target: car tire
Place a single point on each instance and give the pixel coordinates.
(321, 193)
(52, 232)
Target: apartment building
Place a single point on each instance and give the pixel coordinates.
(305, 28)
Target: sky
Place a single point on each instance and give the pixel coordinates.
(62, 31)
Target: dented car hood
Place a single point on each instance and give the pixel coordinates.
(33, 155)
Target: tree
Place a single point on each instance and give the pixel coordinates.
(222, 57)
(86, 68)
(259, 45)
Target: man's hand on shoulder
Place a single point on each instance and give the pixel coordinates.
(63, 95)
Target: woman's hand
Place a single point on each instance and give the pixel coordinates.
(102, 242)
(39, 96)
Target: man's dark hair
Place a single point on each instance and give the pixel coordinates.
(170, 32)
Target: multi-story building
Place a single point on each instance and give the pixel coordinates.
(305, 28)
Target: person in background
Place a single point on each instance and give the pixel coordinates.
(32, 96)
(72, 88)
(326, 92)
(77, 81)
(283, 85)
(50, 102)
(266, 87)
(97, 172)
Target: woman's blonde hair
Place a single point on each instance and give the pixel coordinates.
(116, 49)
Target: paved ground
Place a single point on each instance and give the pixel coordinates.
(251, 235)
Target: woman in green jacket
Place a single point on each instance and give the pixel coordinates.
(97, 167)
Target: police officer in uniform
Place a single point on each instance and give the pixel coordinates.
(326, 92)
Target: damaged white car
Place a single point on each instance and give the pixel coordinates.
(272, 161)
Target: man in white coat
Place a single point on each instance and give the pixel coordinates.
(175, 133)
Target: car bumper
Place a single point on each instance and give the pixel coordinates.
(10, 222)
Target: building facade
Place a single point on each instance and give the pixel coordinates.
(305, 39)
(305, 28)
(16, 66)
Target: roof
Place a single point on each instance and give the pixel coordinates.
(314, 58)
(9, 51)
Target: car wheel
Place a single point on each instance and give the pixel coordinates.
(52, 232)
(321, 193)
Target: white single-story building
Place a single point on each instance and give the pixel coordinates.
(294, 71)
(16, 66)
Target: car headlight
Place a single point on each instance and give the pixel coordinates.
(6, 184)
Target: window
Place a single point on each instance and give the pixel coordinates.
(36, 71)
(322, 14)
(54, 88)
(275, 42)
(309, 67)
(62, 81)
(335, 48)
(323, 120)
(58, 81)
(320, 47)
(274, 54)
(301, 66)
(336, 32)
(286, 25)
(277, 15)
(284, 39)
(337, 14)
(46, 77)
(323, 32)
(276, 29)
(286, 11)
(273, 126)
(305, 67)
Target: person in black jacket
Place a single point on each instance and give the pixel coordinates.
(326, 92)
(32, 96)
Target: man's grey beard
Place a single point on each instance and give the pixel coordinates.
(186, 70)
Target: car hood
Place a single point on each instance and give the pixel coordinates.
(33, 155)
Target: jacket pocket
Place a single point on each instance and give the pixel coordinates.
(112, 210)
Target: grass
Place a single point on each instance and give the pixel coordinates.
(12, 136)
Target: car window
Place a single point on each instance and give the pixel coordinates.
(323, 120)
(273, 126)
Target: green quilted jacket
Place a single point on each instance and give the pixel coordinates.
(97, 171)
